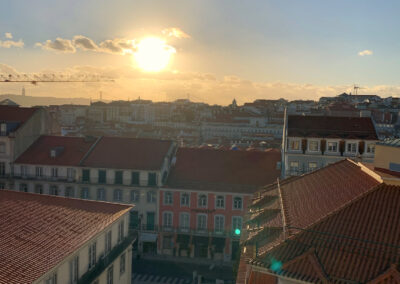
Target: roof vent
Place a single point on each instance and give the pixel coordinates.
(56, 151)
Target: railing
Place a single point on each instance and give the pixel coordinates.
(44, 178)
(102, 264)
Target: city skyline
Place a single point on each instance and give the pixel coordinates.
(217, 50)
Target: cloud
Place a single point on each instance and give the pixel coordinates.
(84, 43)
(175, 32)
(117, 46)
(11, 43)
(365, 52)
(8, 35)
(58, 45)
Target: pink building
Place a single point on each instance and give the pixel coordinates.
(201, 208)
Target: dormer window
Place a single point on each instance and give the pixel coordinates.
(294, 145)
(313, 146)
(351, 147)
(332, 146)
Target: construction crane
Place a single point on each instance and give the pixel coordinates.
(52, 78)
(356, 88)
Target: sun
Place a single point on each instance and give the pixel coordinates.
(153, 54)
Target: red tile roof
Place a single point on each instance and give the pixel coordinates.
(323, 126)
(308, 198)
(128, 153)
(357, 243)
(16, 114)
(39, 231)
(223, 170)
(74, 149)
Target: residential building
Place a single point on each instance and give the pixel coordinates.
(19, 127)
(325, 206)
(202, 205)
(387, 160)
(48, 239)
(113, 169)
(312, 142)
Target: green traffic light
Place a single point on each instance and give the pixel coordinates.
(237, 232)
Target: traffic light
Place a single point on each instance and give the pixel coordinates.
(237, 232)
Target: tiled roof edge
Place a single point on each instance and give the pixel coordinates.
(89, 151)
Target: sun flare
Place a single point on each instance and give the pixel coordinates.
(153, 54)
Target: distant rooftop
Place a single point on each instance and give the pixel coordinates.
(39, 231)
(390, 142)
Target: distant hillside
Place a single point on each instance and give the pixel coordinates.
(28, 101)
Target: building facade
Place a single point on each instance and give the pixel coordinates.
(66, 242)
(312, 142)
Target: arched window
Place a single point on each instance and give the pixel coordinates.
(237, 203)
(202, 202)
(220, 202)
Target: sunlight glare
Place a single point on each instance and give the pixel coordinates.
(153, 54)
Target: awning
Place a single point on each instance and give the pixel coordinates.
(148, 237)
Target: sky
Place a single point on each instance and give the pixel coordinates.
(217, 49)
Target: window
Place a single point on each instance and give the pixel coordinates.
(236, 223)
(54, 172)
(92, 255)
(102, 176)
(312, 166)
(110, 275)
(135, 196)
(167, 219)
(237, 203)
(2, 147)
(122, 264)
(24, 171)
(184, 221)
(313, 146)
(135, 178)
(52, 279)
(351, 147)
(294, 145)
(219, 223)
(332, 146)
(86, 175)
(168, 198)
(74, 270)
(121, 231)
(118, 177)
(151, 197)
(117, 195)
(101, 194)
(2, 168)
(185, 199)
(39, 171)
(370, 148)
(294, 165)
(23, 187)
(70, 173)
(85, 193)
(38, 189)
(69, 191)
(202, 201)
(201, 222)
(3, 129)
(152, 179)
(53, 190)
(220, 202)
(108, 242)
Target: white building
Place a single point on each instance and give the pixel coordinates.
(49, 240)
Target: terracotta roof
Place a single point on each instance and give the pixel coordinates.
(308, 198)
(16, 114)
(323, 126)
(128, 153)
(70, 151)
(357, 243)
(223, 170)
(39, 231)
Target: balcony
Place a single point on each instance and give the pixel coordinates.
(44, 178)
(105, 261)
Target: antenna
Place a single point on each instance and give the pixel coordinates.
(356, 88)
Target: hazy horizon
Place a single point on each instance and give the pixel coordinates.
(211, 51)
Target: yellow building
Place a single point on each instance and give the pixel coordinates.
(47, 240)
(387, 160)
